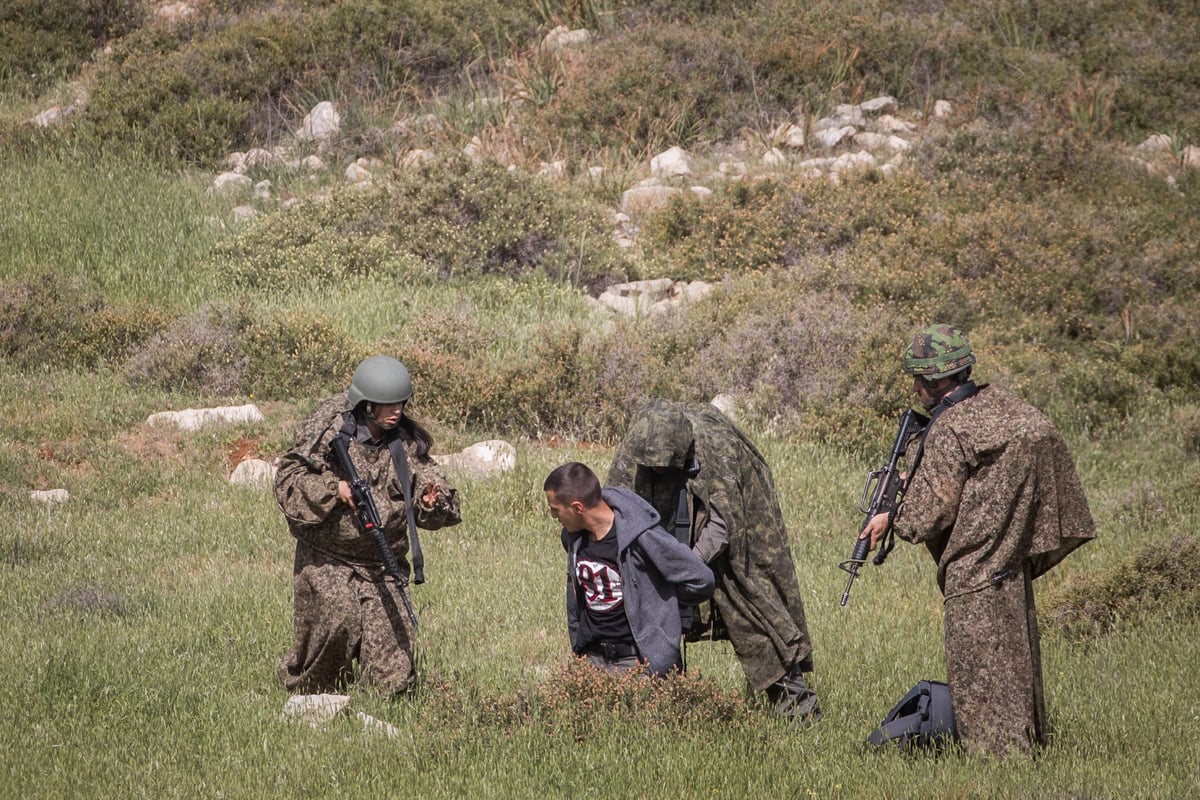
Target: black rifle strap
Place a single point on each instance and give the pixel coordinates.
(400, 462)
(960, 393)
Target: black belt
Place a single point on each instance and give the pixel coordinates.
(611, 651)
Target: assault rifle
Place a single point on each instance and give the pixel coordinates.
(367, 514)
(886, 489)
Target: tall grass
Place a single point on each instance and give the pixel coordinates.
(130, 231)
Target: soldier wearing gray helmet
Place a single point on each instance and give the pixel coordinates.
(346, 609)
(997, 501)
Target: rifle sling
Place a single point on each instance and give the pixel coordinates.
(395, 446)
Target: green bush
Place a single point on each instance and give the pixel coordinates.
(296, 353)
(646, 89)
(1159, 579)
(448, 219)
(51, 320)
(228, 349)
(44, 42)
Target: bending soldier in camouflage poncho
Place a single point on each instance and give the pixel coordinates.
(345, 608)
(996, 500)
(692, 453)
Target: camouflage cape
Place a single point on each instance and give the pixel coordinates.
(344, 609)
(757, 593)
(998, 502)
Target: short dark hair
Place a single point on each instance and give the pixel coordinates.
(574, 481)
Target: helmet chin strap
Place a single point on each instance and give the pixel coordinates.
(370, 411)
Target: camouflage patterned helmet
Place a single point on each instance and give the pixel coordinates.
(938, 351)
(380, 379)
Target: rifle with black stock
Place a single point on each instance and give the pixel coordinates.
(886, 488)
(367, 514)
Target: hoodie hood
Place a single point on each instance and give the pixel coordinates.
(633, 516)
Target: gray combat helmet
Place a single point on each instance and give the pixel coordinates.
(380, 379)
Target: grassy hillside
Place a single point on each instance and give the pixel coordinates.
(146, 615)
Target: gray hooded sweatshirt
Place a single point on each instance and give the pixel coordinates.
(658, 572)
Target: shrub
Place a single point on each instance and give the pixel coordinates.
(647, 89)
(228, 350)
(297, 353)
(43, 43)
(453, 218)
(198, 354)
(52, 320)
(1160, 578)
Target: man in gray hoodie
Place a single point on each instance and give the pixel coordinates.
(626, 576)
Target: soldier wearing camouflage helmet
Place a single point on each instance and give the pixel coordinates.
(997, 501)
(710, 483)
(345, 608)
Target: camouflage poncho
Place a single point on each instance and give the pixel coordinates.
(998, 502)
(757, 594)
(344, 609)
(306, 490)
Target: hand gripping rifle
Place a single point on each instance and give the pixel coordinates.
(886, 489)
(367, 514)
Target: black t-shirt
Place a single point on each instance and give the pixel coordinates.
(602, 607)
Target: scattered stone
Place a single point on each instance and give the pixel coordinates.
(670, 163)
(640, 199)
(319, 709)
(481, 459)
(193, 419)
(880, 105)
(562, 37)
(50, 497)
(253, 472)
(830, 138)
(655, 296)
(231, 181)
(320, 124)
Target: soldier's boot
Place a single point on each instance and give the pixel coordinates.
(792, 697)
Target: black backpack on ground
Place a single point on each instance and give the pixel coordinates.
(923, 718)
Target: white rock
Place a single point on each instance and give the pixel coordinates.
(885, 104)
(323, 122)
(725, 403)
(942, 109)
(848, 162)
(671, 162)
(481, 458)
(253, 472)
(231, 181)
(562, 36)
(645, 198)
(774, 158)
(789, 134)
(192, 419)
(414, 157)
(315, 709)
(50, 497)
(830, 138)
(889, 124)
(357, 173)
(870, 141)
